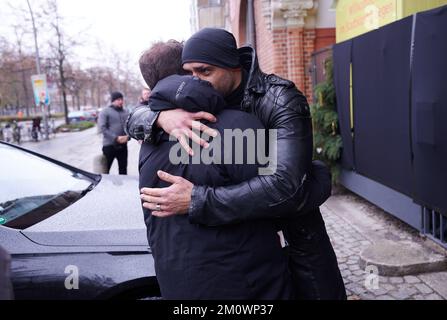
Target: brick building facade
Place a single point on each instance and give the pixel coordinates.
(286, 32)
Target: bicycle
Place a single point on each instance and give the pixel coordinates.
(16, 134)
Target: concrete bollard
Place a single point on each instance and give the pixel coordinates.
(100, 164)
(6, 292)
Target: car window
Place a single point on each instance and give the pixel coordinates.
(76, 114)
(33, 189)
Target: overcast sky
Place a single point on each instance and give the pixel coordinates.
(125, 25)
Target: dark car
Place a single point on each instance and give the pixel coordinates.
(91, 115)
(72, 234)
(80, 116)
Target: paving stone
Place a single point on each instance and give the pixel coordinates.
(385, 297)
(342, 266)
(359, 273)
(357, 279)
(437, 281)
(386, 286)
(354, 267)
(368, 296)
(383, 279)
(378, 292)
(411, 279)
(433, 296)
(423, 288)
(400, 295)
(396, 280)
(359, 290)
(403, 293)
(346, 273)
(350, 285)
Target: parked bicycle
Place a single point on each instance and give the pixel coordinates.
(7, 133)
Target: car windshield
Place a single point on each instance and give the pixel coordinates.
(33, 189)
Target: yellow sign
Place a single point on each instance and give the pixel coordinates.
(360, 16)
(355, 17)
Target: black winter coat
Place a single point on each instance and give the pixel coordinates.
(192, 261)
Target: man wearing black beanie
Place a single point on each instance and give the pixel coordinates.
(212, 46)
(111, 123)
(212, 55)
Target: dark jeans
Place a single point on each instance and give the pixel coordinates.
(312, 261)
(120, 153)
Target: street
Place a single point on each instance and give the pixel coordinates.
(79, 149)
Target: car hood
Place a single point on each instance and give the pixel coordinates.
(109, 215)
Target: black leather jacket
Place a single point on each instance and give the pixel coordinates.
(281, 106)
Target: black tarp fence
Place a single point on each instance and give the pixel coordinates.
(429, 108)
(342, 60)
(399, 99)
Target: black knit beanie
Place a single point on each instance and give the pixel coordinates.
(213, 46)
(116, 95)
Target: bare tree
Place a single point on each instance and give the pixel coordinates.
(14, 69)
(90, 86)
(60, 47)
(24, 66)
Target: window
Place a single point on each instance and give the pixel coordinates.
(33, 189)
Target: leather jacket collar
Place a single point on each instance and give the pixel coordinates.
(255, 82)
(250, 63)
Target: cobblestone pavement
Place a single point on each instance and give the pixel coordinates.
(349, 240)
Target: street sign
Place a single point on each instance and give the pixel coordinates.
(40, 89)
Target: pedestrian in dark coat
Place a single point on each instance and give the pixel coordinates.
(112, 122)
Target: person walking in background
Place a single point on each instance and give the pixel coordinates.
(35, 131)
(111, 124)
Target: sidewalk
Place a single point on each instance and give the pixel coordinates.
(354, 225)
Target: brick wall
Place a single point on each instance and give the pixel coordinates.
(286, 52)
(266, 47)
(324, 37)
(309, 48)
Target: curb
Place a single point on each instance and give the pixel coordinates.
(401, 259)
